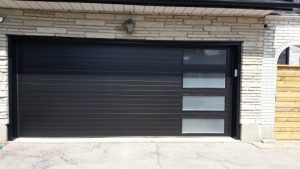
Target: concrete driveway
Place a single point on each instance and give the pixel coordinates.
(235, 155)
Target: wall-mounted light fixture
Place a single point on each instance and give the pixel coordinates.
(127, 26)
(1, 19)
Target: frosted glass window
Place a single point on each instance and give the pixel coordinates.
(204, 57)
(194, 126)
(203, 103)
(203, 80)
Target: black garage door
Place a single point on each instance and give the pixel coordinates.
(85, 88)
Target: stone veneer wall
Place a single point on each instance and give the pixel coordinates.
(250, 30)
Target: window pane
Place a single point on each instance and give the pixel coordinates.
(202, 126)
(203, 103)
(283, 57)
(203, 80)
(204, 57)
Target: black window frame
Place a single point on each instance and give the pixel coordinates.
(206, 68)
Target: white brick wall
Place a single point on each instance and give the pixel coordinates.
(294, 55)
(149, 27)
(281, 32)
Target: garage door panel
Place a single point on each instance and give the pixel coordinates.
(115, 82)
(114, 127)
(83, 49)
(36, 97)
(148, 115)
(100, 106)
(120, 99)
(157, 59)
(155, 94)
(158, 116)
(130, 90)
(101, 126)
(96, 89)
(100, 73)
(103, 101)
(103, 94)
(95, 133)
(94, 68)
(104, 77)
(77, 57)
(96, 112)
(103, 59)
(104, 123)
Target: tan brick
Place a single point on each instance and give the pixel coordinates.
(257, 26)
(10, 11)
(89, 22)
(217, 28)
(173, 34)
(133, 17)
(99, 35)
(149, 24)
(51, 30)
(37, 23)
(227, 19)
(69, 15)
(247, 20)
(99, 16)
(197, 22)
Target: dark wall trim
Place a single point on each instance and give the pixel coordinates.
(12, 88)
(163, 43)
(287, 59)
(236, 88)
(235, 47)
(247, 4)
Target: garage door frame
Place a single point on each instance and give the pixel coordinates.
(235, 46)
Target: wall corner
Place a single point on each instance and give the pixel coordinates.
(256, 132)
(3, 133)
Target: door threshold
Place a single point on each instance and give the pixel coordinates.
(128, 140)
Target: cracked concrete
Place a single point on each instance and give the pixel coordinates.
(158, 156)
(234, 155)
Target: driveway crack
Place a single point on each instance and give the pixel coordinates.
(158, 156)
(222, 163)
(67, 161)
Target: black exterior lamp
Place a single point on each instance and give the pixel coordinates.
(128, 26)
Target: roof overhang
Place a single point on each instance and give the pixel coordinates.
(253, 8)
(243, 4)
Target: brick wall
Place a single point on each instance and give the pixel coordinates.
(250, 30)
(281, 32)
(294, 55)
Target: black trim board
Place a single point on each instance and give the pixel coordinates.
(13, 39)
(236, 96)
(130, 42)
(247, 4)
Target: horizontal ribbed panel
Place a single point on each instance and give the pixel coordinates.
(76, 89)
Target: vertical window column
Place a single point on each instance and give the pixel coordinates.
(204, 75)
